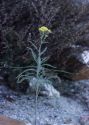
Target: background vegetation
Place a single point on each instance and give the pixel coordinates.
(20, 20)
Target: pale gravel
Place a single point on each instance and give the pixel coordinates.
(50, 111)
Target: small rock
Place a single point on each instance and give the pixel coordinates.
(28, 124)
(9, 121)
(69, 124)
(84, 120)
(45, 86)
(75, 60)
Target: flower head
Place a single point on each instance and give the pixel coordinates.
(44, 29)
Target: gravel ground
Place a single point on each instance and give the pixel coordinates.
(50, 111)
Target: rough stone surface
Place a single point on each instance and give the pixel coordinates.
(69, 124)
(75, 61)
(84, 120)
(9, 121)
(76, 89)
(45, 87)
(49, 110)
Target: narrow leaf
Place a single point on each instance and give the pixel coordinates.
(44, 51)
(25, 71)
(33, 54)
(24, 78)
(34, 45)
(49, 65)
(45, 59)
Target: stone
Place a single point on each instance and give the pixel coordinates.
(9, 121)
(28, 124)
(84, 120)
(45, 87)
(69, 124)
(4, 120)
(75, 61)
(82, 74)
(76, 89)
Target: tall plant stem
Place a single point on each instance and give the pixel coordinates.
(37, 86)
(37, 93)
(38, 75)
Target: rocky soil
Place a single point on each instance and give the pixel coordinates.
(50, 111)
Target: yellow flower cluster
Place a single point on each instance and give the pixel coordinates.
(44, 29)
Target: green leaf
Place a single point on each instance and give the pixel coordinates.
(45, 59)
(49, 65)
(23, 78)
(25, 71)
(53, 77)
(33, 54)
(25, 67)
(43, 51)
(34, 45)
